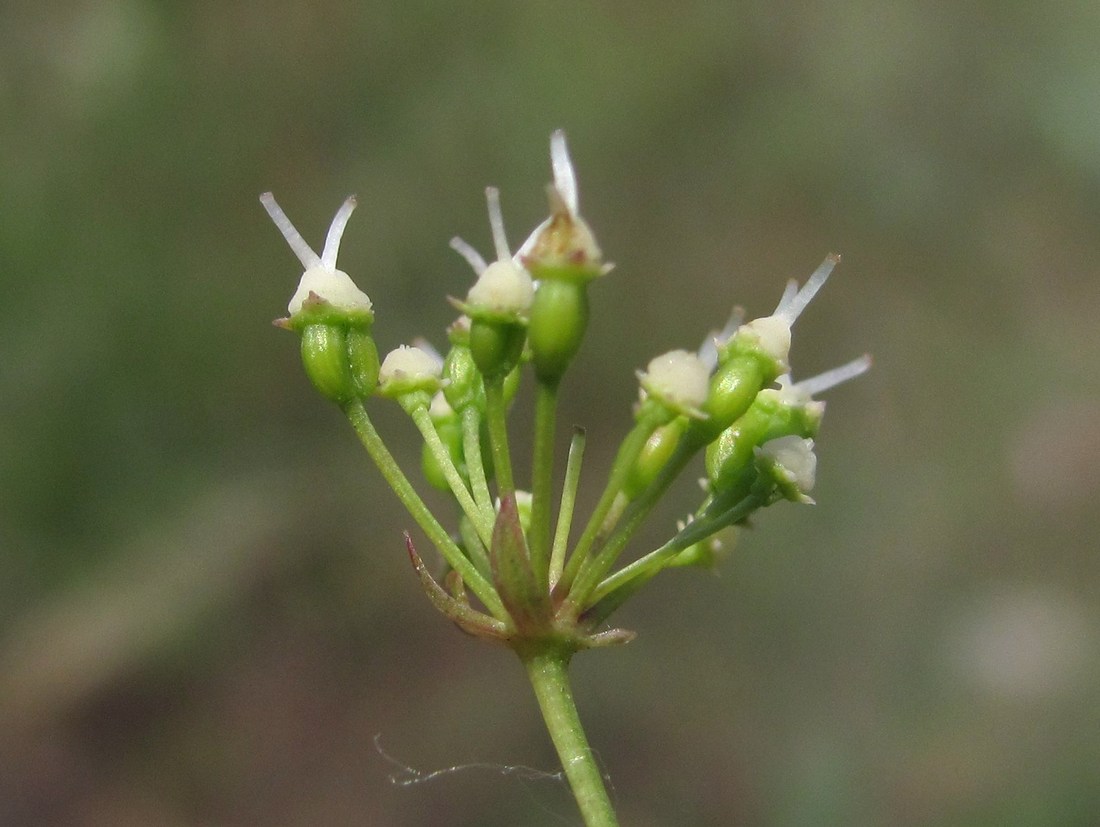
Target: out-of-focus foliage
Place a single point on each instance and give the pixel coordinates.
(205, 611)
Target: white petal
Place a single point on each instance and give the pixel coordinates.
(795, 456)
(503, 287)
(409, 363)
(678, 377)
(333, 286)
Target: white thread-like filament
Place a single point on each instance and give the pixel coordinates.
(472, 256)
(565, 179)
(336, 232)
(294, 238)
(496, 223)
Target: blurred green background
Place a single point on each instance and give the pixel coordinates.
(206, 613)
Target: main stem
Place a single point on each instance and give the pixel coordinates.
(547, 668)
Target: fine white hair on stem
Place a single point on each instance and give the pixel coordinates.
(565, 179)
(336, 232)
(831, 378)
(496, 223)
(294, 238)
(791, 310)
(472, 256)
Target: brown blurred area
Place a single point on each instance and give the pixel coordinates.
(206, 613)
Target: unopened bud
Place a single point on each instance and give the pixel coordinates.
(409, 370)
(792, 464)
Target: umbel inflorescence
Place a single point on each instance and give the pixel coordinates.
(522, 568)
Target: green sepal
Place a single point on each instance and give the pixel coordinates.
(316, 310)
(513, 574)
(559, 317)
(575, 273)
(410, 392)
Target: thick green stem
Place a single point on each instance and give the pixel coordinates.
(542, 479)
(401, 486)
(547, 668)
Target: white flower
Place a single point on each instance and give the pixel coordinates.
(409, 364)
(773, 333)
(793, 464)
(321, 280)
(564, 239)
(678, 379)
(502, 287)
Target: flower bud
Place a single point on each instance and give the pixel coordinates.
(790, 461)
(503, 288)
(789, 410)
(563, 255)
(409, 371)
(756, 355)
(324, 293)
(678, 380)
(332, 314)
(562, 247)
(498, 302)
